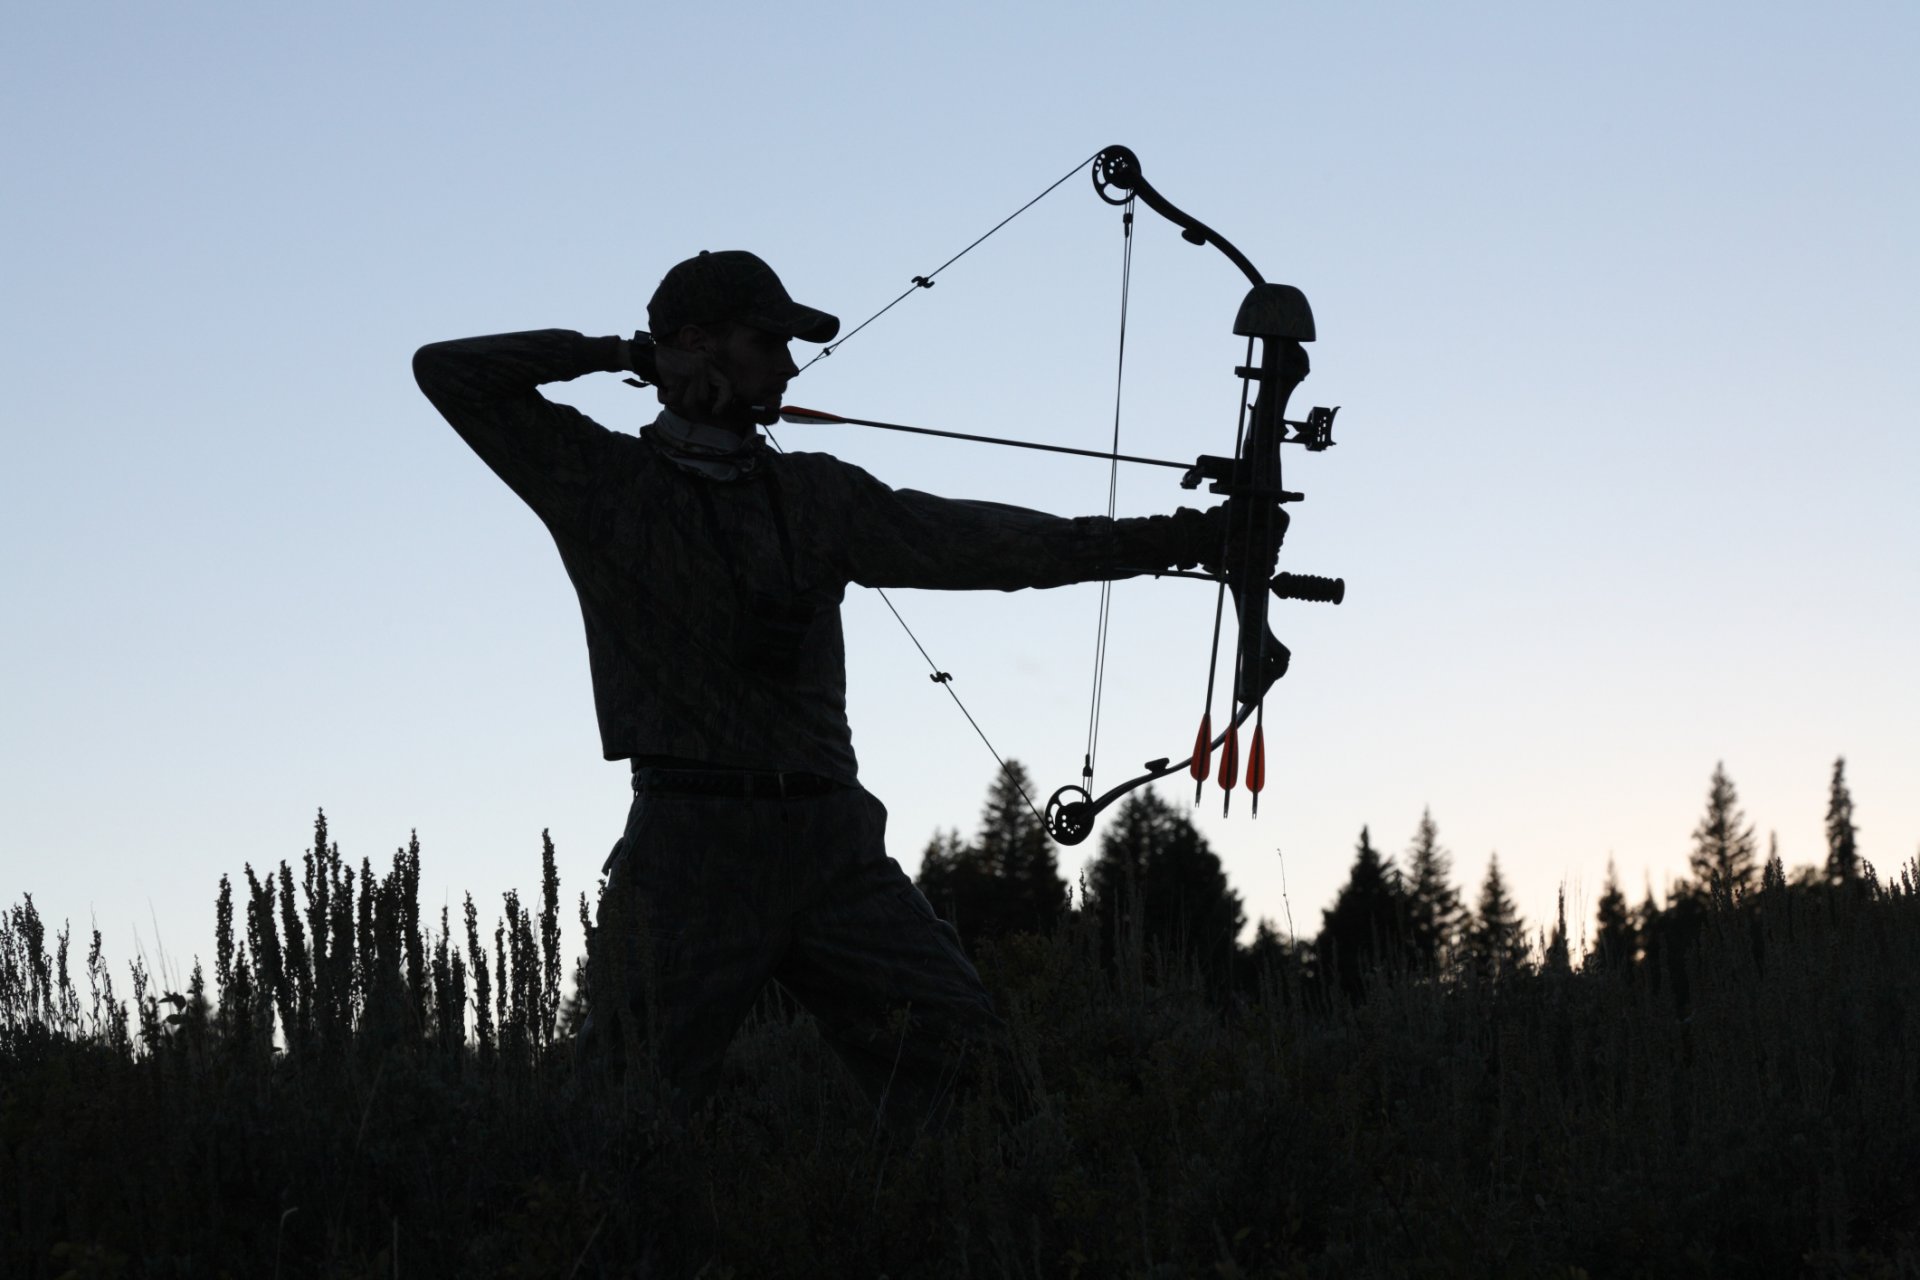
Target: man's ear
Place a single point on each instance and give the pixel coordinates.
(696, 338)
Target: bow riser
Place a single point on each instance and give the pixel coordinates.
(1279, 318)
(1258, 490)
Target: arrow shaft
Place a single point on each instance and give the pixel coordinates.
(791, 416)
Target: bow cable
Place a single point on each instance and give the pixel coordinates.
(926, 281)
(942, 678)
(1102, 629)
(945, 680)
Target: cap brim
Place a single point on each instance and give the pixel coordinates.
(791, 320)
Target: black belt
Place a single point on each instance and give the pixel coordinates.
(744, 783)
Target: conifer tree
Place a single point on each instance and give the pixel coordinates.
(1008, 879)
(1724, 852)
(1843, 856)
(1556, 952)
(1773, 876)
(1018, 854)
(1366, 927)
(1155, 872)
(1434, 912)
(951, 878)
(1497, 938)
(1617, 940)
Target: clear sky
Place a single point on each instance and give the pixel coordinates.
(1619, 301)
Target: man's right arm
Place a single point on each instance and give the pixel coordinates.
(488, 389)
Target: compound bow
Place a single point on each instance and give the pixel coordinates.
(1278, 319)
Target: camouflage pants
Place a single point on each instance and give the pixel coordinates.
(716, 895)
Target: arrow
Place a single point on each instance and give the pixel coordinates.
(815, 418)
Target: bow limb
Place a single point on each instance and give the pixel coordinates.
(1117, 169)
(1071, 811)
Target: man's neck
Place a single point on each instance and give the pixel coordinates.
(718, 437)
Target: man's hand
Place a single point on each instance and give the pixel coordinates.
(1230, 528)
(689, 384)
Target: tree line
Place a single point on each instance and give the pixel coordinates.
(1727, 1078)
(1156, 880)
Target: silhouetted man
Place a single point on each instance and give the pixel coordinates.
(710, 570)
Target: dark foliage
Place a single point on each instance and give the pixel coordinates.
(1158, 889)
(1616, 943)
(1365, 931)
(1729, 1084)
(1547, 1123)
(1008, 879)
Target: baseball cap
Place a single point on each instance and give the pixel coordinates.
(733, 285)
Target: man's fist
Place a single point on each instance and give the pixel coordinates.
(1244, 533)
(690, 384)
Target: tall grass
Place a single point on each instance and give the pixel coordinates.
(331, 1108)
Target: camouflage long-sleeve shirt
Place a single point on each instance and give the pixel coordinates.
(670, 566)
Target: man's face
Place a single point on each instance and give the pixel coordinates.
(759, 365)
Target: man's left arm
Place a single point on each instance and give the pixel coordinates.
(906, 538)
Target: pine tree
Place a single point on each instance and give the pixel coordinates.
(1007, 880)
(1366, 927)
(1434, 912)
(1617, 940)
(1723, 846)
(1773, 876)
(951, 878)
(1155, 872)
(1015, 848)
(1497, 938)
(1557, 958)
(1843, 856)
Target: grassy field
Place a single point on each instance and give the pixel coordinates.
(331, 1104)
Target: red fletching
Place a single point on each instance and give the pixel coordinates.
(1202, 761)
(795, 414)
(1229, 767)
(1199, 766)
(1257, 766)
